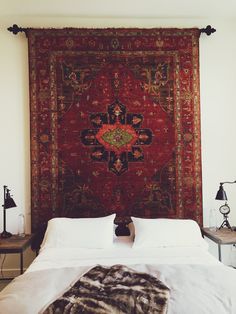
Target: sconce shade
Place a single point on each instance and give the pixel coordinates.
(9, 203)
(221, 194)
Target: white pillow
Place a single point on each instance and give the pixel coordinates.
(79, 232)
(163, 232)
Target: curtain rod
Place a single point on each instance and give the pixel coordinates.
(15, 29)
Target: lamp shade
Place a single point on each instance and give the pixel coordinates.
(9, 203)
(8, 200)
(221, 194)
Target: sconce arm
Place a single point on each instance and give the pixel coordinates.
(230, 182)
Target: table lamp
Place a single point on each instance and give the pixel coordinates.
(8, 203)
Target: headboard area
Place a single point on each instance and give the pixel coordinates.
(115, 123)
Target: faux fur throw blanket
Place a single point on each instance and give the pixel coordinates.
(117, 290)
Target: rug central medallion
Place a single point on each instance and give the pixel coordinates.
(117, 137)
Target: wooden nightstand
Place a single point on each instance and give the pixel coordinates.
(13, 245)
(222, 236)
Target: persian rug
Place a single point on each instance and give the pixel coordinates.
(115, 123)
(116, 289)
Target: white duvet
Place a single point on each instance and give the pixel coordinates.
(198, 283)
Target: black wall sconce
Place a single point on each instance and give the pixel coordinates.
(224, 209)
(8, 203)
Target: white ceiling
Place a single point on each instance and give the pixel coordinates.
(121, 8)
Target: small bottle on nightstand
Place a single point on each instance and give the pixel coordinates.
(21, 225)
(212, 220)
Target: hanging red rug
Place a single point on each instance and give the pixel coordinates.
(115, 123)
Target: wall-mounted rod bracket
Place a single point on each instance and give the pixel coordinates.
(15, 29)
(208, 30)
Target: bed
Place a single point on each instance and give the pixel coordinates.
(170, 252)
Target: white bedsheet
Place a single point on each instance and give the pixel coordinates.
(199, 284)
(56, 258)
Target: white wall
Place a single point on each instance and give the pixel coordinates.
(218, 107)
(218, 104)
